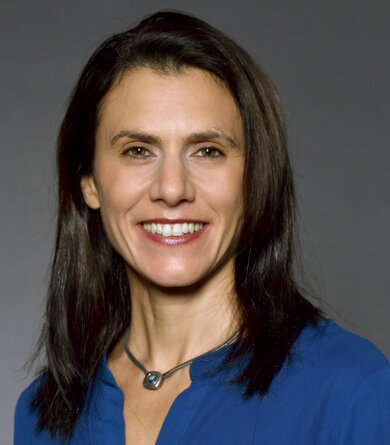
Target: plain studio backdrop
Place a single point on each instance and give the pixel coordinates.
(330, 62)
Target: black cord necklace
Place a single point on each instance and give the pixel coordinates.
(154, 379)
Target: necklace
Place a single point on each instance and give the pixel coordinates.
(154, 379)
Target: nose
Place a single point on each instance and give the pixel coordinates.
(172, 184)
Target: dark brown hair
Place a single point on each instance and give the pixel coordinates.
(88, 305)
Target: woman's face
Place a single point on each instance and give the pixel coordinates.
(168, 173)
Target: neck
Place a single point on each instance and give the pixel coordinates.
(170, 326)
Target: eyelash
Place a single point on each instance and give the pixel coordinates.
(208, 152)
(215, 152)
(130, 152)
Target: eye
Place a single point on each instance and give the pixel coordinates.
(208, 152)
(138, 152)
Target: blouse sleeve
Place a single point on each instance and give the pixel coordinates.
(21, 413)
(26, 419)
(366, 419)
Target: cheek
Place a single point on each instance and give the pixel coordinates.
(116, 199)
(227, 193)
(117, 189)
(113, 199)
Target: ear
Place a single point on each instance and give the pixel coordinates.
(90, 193)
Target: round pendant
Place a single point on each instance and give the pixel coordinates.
(153, 380)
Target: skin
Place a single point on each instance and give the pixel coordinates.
(169, 147)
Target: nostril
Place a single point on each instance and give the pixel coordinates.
(172, 185)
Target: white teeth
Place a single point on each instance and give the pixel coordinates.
(167, 230)
(177, 229)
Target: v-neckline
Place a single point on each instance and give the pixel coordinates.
(203, 370)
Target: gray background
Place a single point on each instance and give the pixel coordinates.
(330, 61)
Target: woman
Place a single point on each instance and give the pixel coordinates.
(173, 315)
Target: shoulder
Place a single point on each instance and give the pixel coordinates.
(337, 351)
(342, 379)
(26, 430)
(328, 355)
(23, 412)
(26, 419)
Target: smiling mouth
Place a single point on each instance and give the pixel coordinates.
(169, 230)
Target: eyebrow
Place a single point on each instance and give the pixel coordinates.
(215, 133)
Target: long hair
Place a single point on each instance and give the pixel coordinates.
(88, 305)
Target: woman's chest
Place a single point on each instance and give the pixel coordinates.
(145, 410)
(203, 413)
(144, 416)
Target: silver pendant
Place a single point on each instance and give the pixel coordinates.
(153, 380)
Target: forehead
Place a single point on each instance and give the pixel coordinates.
(143, 97)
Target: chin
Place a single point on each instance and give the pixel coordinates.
(169, 277)
(175, 280)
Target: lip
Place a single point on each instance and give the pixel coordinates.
(173, 240)
(172, 221)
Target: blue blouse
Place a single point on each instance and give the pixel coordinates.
(334, 390)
